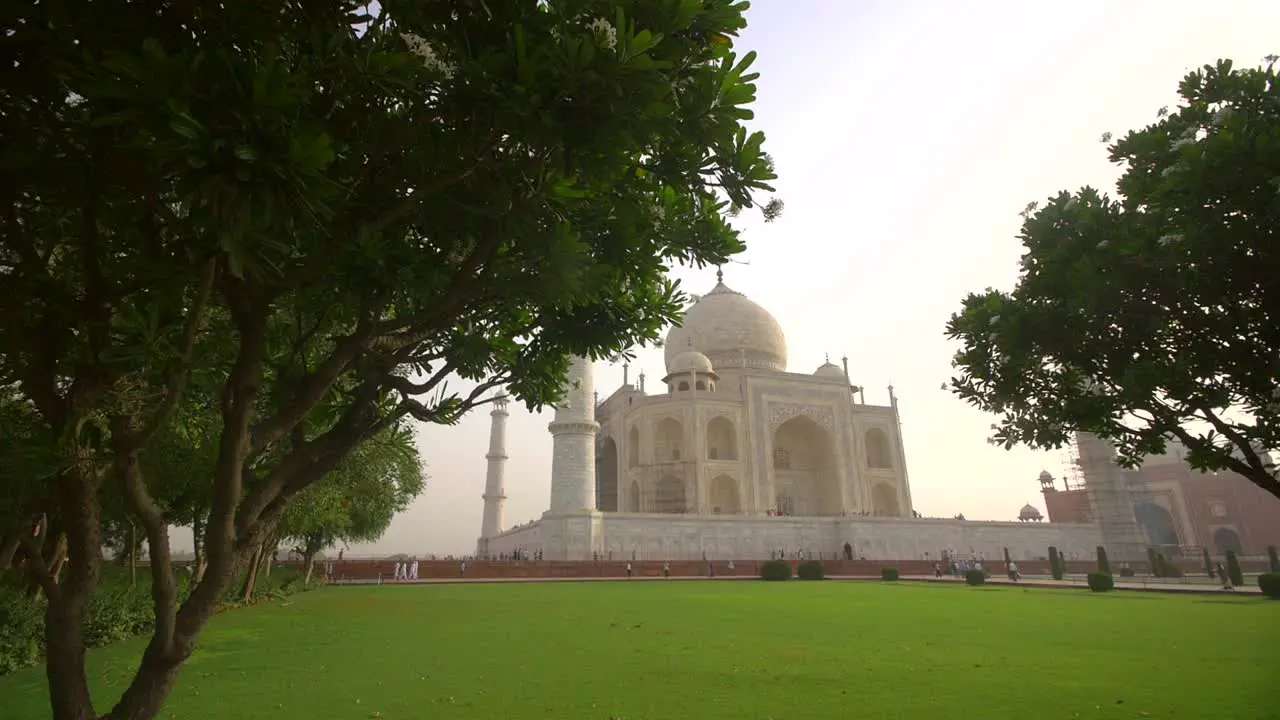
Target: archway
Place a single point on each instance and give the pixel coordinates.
(633, 498)
(878, 454)
(633, 447)
(607, 476)
(722, 439)
(724, 496)
(808, 477)
(1157, 524)
(669, 496)
(1225, 539)
(668, 440)
(884, 501)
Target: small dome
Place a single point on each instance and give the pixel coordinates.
(829, 370)
(689, 361)
(1044, 475)
(732, 330)
(1029, 512)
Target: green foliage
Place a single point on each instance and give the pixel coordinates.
(1056, 565)
(1208, 561)
(811, 570)
(1233, 569)
(1269, 584)
(1104, 565)
(889, 573)
(775, 570)
(1166, 569)
(1153, 560)
(21, 629)
(1127, 572)
(975, 577)
(1101, 581)
(1147, 316)
(1273, 559)
(1007, 559)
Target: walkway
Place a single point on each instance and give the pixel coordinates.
(1071, 583)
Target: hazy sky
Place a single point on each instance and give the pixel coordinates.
(908, 136)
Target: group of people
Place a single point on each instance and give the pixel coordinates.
(406, 569)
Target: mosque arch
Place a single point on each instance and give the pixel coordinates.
(878, 454)
(633, 447)
(607, 476)
(684, 385)
(884, 501)
(669, 496)
(1157, 524)
(1224, 538)
(668, 440)
(725, 497)
(805, 470)
(633, 497)
(722, 439)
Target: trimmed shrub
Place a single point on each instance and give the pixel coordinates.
(975, 577)
(1208, 562)
(1166, 569)
(1233, 569)
(1153, 562)
(1127, 572)
(1273, 560)
(1101, 582)
(1007, 560)
(1056, 566)
(1104, 565)
(775, 570)
(811, 570)
(1269, 584)
(888, 573)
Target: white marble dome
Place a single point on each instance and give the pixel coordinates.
(829, 370)
(689, 361)
(728, 328)
(1029, 512)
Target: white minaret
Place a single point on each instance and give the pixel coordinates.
(494, 493)
(573, 459)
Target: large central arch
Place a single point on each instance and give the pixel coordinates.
(1157, 524)
(607, 476)
(809, 477)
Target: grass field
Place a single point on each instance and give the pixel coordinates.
(710, 650)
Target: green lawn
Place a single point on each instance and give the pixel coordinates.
(706, 650)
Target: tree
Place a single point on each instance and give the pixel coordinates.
(1104, 565)
(1233, 569)
(1149, 316)
(358, 500)
(309, 220)
(1208, 562)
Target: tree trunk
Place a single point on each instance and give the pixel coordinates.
(197, 535)
(251, 577)
(308, 562)
(8, 549)
(76, 490)
(133, 553)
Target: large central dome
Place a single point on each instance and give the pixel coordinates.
(729, 328)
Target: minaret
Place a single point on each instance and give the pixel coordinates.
(494, 493)
(573, 460)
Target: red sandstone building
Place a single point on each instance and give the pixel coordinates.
(1178, 507)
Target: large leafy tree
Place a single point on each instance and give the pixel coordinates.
(309, 219)
(1150, 315)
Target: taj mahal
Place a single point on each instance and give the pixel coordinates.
(736, 458)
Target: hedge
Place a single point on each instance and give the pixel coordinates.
(888, 573)
(1269, 584)
(811, 570)
(1233, 569)
(975, 577)
(775, 570)
(1104, 565)
(1273, 559)
(1101, 582)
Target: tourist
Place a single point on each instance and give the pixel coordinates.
(1226, 578)
(666, 569)
(1014, 575)
(413, 569)
(399, 574)
(937, 570)
(731, 568)
(462, 569)
(628, 571)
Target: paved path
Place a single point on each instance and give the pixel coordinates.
(1139, 585)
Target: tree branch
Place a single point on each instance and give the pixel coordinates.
(35, 562)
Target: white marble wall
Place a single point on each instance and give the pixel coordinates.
(676, 537)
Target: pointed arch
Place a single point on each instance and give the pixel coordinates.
(1157, 524)
(668, 440)
(670, 496)
(607, 476)
(722, 439)
(633, 447)
(725, 497)
(879, 455)
(884, 501)
(805, 469)
(633, 497)
(1224, 538)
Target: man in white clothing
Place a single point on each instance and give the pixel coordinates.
(413, 569)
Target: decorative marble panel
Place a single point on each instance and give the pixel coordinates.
(782, 412)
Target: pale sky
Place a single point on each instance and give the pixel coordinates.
(908, 135)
